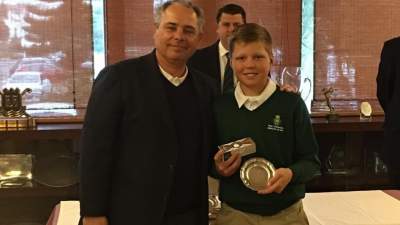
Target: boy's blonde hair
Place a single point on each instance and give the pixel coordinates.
(248, 33)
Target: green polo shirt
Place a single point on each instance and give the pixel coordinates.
(283, 134)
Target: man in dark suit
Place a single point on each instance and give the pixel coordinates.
(388, 92)
(147, 132)
(213, 60)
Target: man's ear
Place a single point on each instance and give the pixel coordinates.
(201, 35)
(199, 38)
(155, 26)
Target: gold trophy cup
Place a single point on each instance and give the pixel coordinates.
(12, 113)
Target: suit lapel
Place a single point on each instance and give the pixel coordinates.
(217, 67)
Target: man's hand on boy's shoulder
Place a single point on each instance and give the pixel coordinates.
(289, 88)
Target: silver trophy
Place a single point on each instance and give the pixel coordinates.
(245, 146)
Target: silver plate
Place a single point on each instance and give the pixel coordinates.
(256, 172)
(56, 170)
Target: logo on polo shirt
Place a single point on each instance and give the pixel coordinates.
(277, 120)
(276, 124)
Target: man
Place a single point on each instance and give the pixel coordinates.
(388, 92)
(213, 60)
(146, 136)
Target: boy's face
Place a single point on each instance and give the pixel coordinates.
(251, 64)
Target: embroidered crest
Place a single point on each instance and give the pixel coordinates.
(277, 120)
(276, 124)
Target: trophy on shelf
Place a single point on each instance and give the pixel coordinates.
(214, 206)
(292, 76)
(15, 170)
(365, 110)
(332, 115)
(12, 113)
(336, 161)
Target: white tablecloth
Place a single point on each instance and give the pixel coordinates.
(352, 208)
(68, 213)
(327, 208)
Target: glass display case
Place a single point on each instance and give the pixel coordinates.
(40, 168)
(350, 154)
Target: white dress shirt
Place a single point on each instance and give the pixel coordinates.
(223, 59)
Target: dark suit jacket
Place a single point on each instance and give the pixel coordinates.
(388, 82)
(129, 146)
(206, 60)
(388, 92)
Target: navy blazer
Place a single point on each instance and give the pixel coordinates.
(129, 147)
(388, 83)
(206, 60)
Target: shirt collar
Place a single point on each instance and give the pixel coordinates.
(222, 50)
(253, 102)
(176, 81)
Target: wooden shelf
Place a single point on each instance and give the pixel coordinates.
(43, 131)
(330, 182)
(72, 130)
(38, 190)
(348, 124)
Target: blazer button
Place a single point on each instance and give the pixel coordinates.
(171, 167)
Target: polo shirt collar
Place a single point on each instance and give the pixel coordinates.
(253, 102)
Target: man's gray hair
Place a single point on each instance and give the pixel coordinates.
(188, 4)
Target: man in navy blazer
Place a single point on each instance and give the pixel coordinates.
(147, 132)
(388, 92)
(212, 60)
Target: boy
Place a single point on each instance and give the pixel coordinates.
(279, 124)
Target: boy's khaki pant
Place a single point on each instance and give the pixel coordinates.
(293, 215)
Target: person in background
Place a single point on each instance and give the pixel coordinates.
(148, 131)
(388, 93)
(213, 60)
(279, 124)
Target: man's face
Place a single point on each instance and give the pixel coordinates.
(177, 36)
(227, 25)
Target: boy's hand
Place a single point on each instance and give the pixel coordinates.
(228, 167)
(278, 182)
